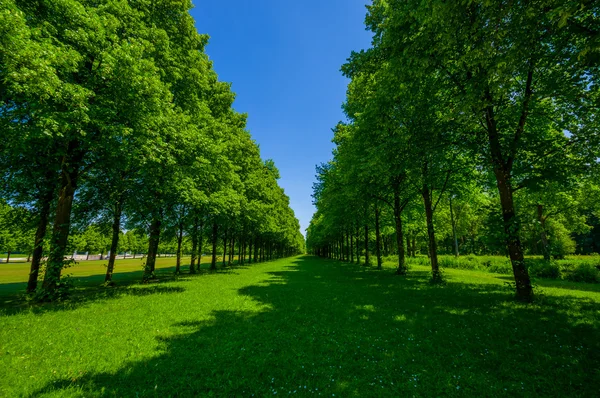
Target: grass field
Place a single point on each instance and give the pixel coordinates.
(307, 327)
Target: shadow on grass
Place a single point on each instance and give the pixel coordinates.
(558, 284)
(335, 328)
(87, 289)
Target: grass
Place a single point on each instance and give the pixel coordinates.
(308, 327)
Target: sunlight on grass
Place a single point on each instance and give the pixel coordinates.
(306, 326)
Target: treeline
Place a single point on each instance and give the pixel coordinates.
(472, 126)
(112, 116)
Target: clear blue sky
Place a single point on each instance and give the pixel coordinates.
(283, 59)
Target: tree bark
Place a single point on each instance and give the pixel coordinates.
(225, 248)
(194, 246)
(377, 238)
(215, 238)
(179, 241)
(153, 241)
(351, 246)
(502, 170)
(38, 247)
(456, 254)
(435, 269)
(511, 230)
(399, 234)
(62, 219)
(116, 229)
(367, 260)
(200, 243)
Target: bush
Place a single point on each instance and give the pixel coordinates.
(500, 268)
(584, 272)
(543, 269)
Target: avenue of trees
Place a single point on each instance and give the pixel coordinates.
(116, 135)
(471, 127)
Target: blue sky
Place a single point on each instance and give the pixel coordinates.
(283, 60)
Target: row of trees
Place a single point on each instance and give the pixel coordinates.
(478, 107)
(111, 113)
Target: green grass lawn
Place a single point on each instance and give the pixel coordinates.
(307, 327)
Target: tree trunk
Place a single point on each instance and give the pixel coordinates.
(194, 246)
(511, 230)
(38, 247)
(351, 246)
(250, 248)
(179, 240)
(153, 241)
(231, 250)
(543, 233)
(456, 254)
(116, 228)
(435, 269)
(399, 234)
(215, 238)
(502, 170)
(225, 248)
(367, 260)
(357, 239)
(200, 243)
(377, 238)
(348, 250)
(255, 250)
(62, 220)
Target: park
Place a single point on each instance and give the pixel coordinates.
(371, 198)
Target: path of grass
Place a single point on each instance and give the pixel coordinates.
(308, 327)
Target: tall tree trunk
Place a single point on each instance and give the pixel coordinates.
(200, 243)
(179, 241)
(351, 246)
(456, 254)
(399, 234)
(543, 233)
(62, 219)
(367, 260)
(377, 238)
(435, 269)
(231, 250)
(414, 245)
(254, 251)
(225, 248)
(348, 250)
(357, 239)
(116, 229)
(153, 241)
(250, 248)
(215, 238)
(194, 246)
(40, 234)
(511, 230)
(502, 170)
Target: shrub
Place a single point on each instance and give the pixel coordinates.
(500, 268)
(584, 272)
(543, 269)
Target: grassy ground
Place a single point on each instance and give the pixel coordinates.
(84, 274)
(308, 327)
(13, 276)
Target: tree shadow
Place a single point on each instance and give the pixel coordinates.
(558, 284)
(337, 328)
(86, 289)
